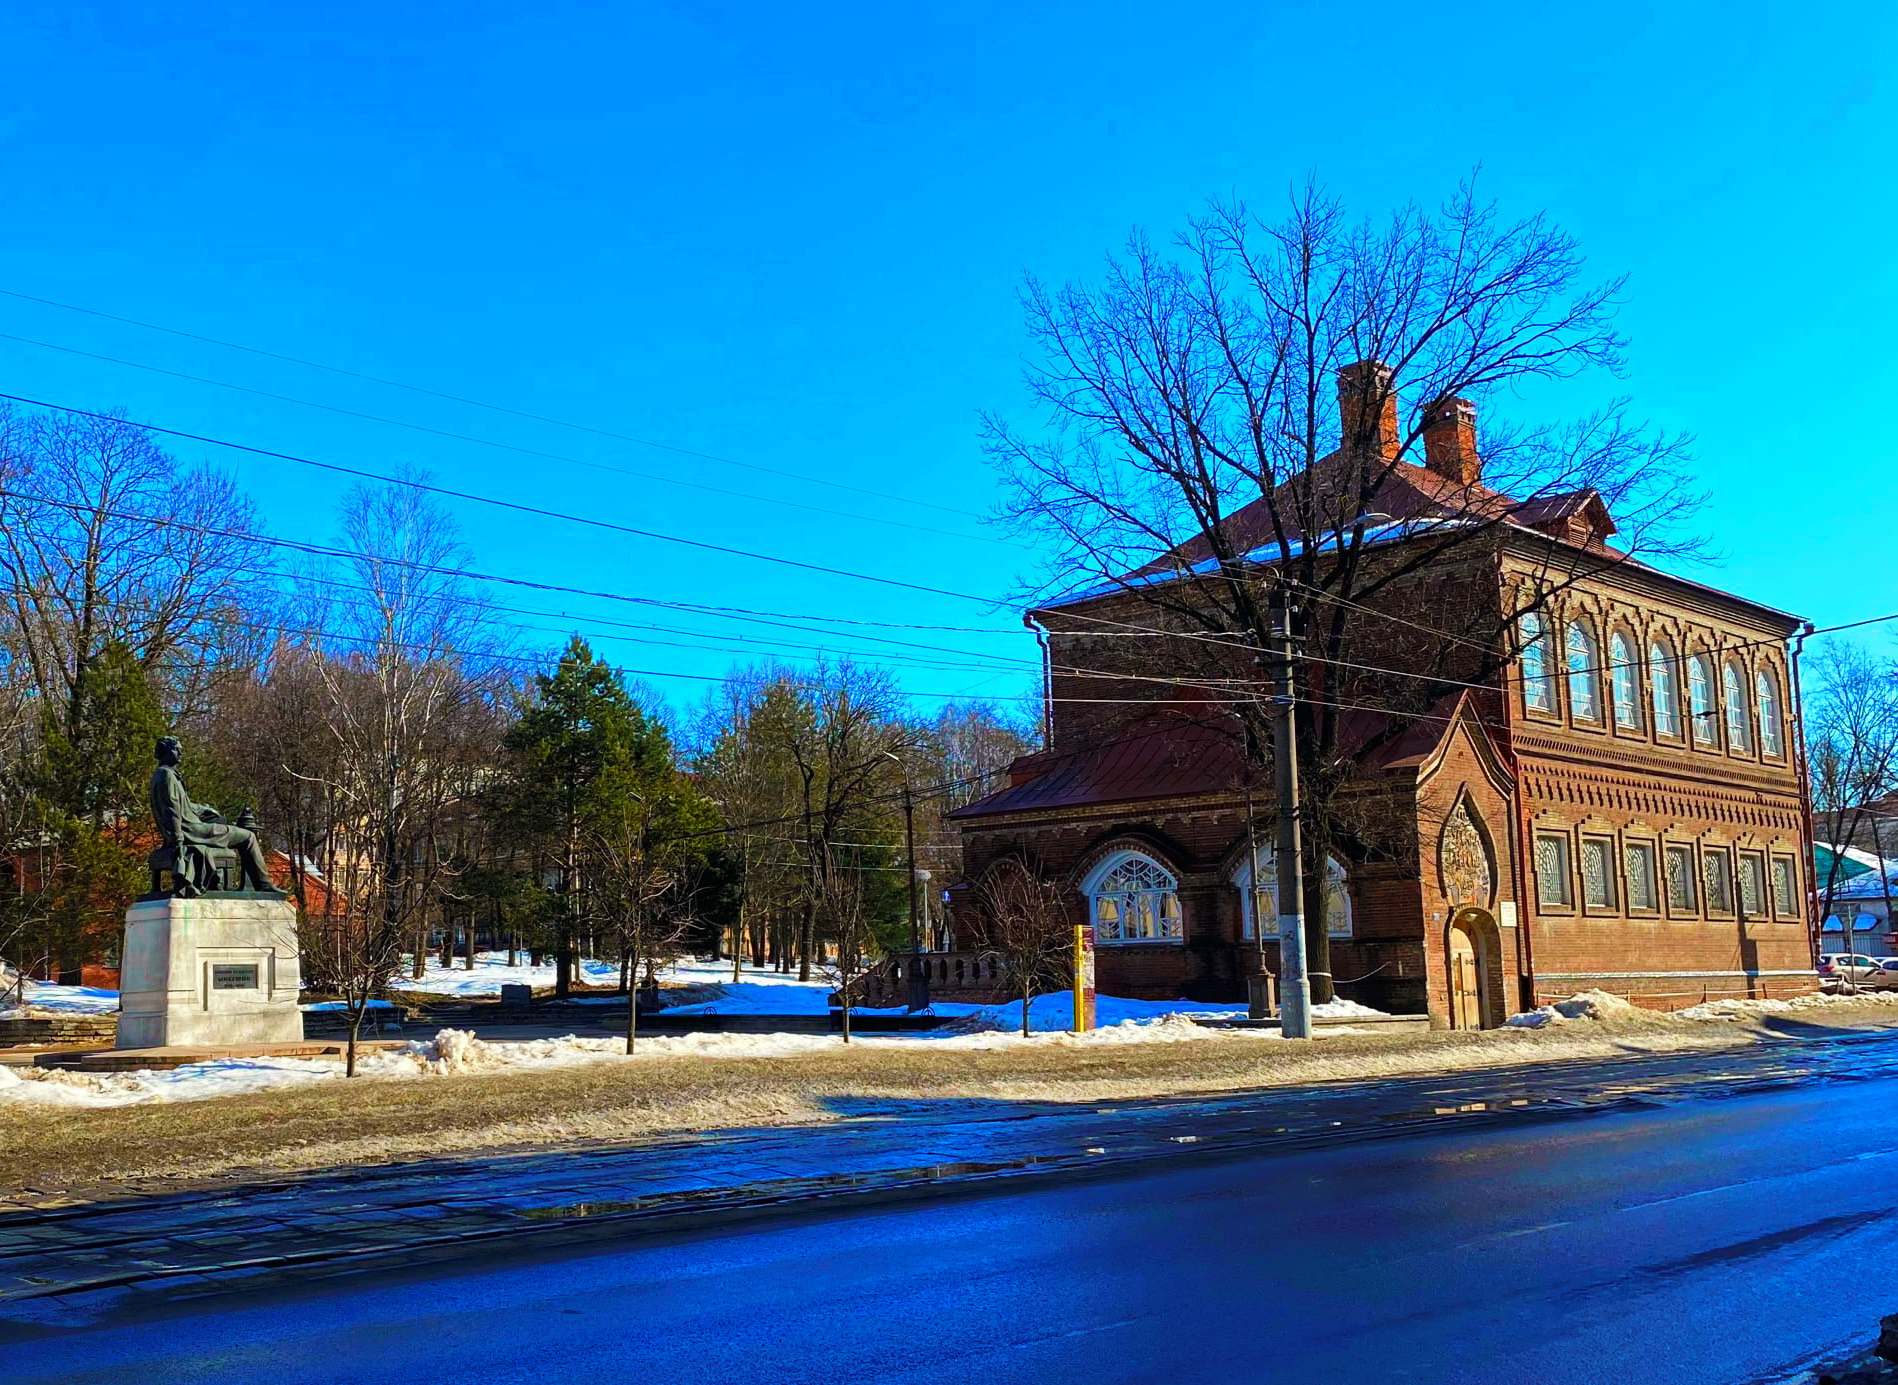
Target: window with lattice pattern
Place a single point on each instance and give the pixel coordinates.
(1552, 870)
(1752, 884)
(1717, 873)
(1638, 863)
(1598, 873)
(1680, 879)
(1136, 902)
(1785, 888)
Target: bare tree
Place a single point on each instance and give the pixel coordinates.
(103, 537)
(410, 724)
(1851, 717)
(846, 925)
(1193, 466)
(1027, 928)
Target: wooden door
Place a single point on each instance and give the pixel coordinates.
(1466, 982)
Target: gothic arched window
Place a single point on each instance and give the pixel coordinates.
(1738, 706)
(1665, 686)
(1700, 699)
(1624, 682)
(1766, 699)
(1133, 899)
(1584, 672)
(1538, 685)
(1263, 903)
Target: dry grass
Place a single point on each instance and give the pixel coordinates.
(370, 1121)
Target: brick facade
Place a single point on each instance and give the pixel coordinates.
(1499, 779)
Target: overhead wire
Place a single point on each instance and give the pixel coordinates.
(452, 436)
(491, 407)
(516, 506)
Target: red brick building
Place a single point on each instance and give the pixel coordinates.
(1616, 803)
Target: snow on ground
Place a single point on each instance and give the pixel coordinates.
(1586, 1005)
(44, 998)
(491, 972)
(193, 1082)
(1601, 1005)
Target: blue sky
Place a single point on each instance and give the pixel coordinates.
(792, 237)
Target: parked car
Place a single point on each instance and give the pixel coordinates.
(1836, 968)
(1886, 977)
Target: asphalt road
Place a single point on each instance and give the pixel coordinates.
(1720, 1241)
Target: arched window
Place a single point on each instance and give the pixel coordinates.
(1134, 900)
(1766, 701)
(1263, 903)
(1584, 673)
(1700, 699)
(1665, 687)
(1624, 683)
(1739, 713)
(1538, 686)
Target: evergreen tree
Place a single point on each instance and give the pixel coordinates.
(593, 789)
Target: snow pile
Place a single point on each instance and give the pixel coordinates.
(1585, 1005)
(1733, 1008)
(454, 1052)
(193, 1082)
(1340, 1008)
(44, 1000)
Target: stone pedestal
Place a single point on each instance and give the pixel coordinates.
(209, 971)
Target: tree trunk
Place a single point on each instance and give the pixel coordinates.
(632, 999)
(356, 1012)
(805, 930)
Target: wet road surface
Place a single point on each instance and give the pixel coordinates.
(1718, 1241)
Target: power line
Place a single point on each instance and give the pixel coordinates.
(483, 404)
(513, 505)
(505, 446)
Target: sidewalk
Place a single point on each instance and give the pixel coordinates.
(63, 1264)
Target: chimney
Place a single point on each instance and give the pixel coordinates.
(1450, 442)
(1367, 408)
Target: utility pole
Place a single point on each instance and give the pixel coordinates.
(1294, 982)
(918, 984)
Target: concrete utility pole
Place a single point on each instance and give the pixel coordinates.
(918, 984)
(1294, 982)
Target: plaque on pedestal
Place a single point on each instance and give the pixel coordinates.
(211, 953)
(217, 970)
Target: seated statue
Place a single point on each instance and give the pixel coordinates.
(195, 836)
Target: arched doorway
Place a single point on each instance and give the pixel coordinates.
(1472, 975)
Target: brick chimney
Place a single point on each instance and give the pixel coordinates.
(1367, 408)
(1450, 442)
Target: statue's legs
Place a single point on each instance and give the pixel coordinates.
(250, 855)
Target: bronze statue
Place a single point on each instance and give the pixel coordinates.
(197, 842)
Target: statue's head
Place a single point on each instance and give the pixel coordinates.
(169, 751)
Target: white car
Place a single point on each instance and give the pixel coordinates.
(1837, 968)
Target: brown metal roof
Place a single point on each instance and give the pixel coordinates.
(1162, 761)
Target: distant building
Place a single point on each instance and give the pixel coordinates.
(1620, 808)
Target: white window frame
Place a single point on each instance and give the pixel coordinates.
(1624, 682)
(1583, 665)
(1766, 705)
(1703, 711)
(1664, 681)
(1739, 707)
(1139, 893)
(1538, 687)
(1337, 896)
